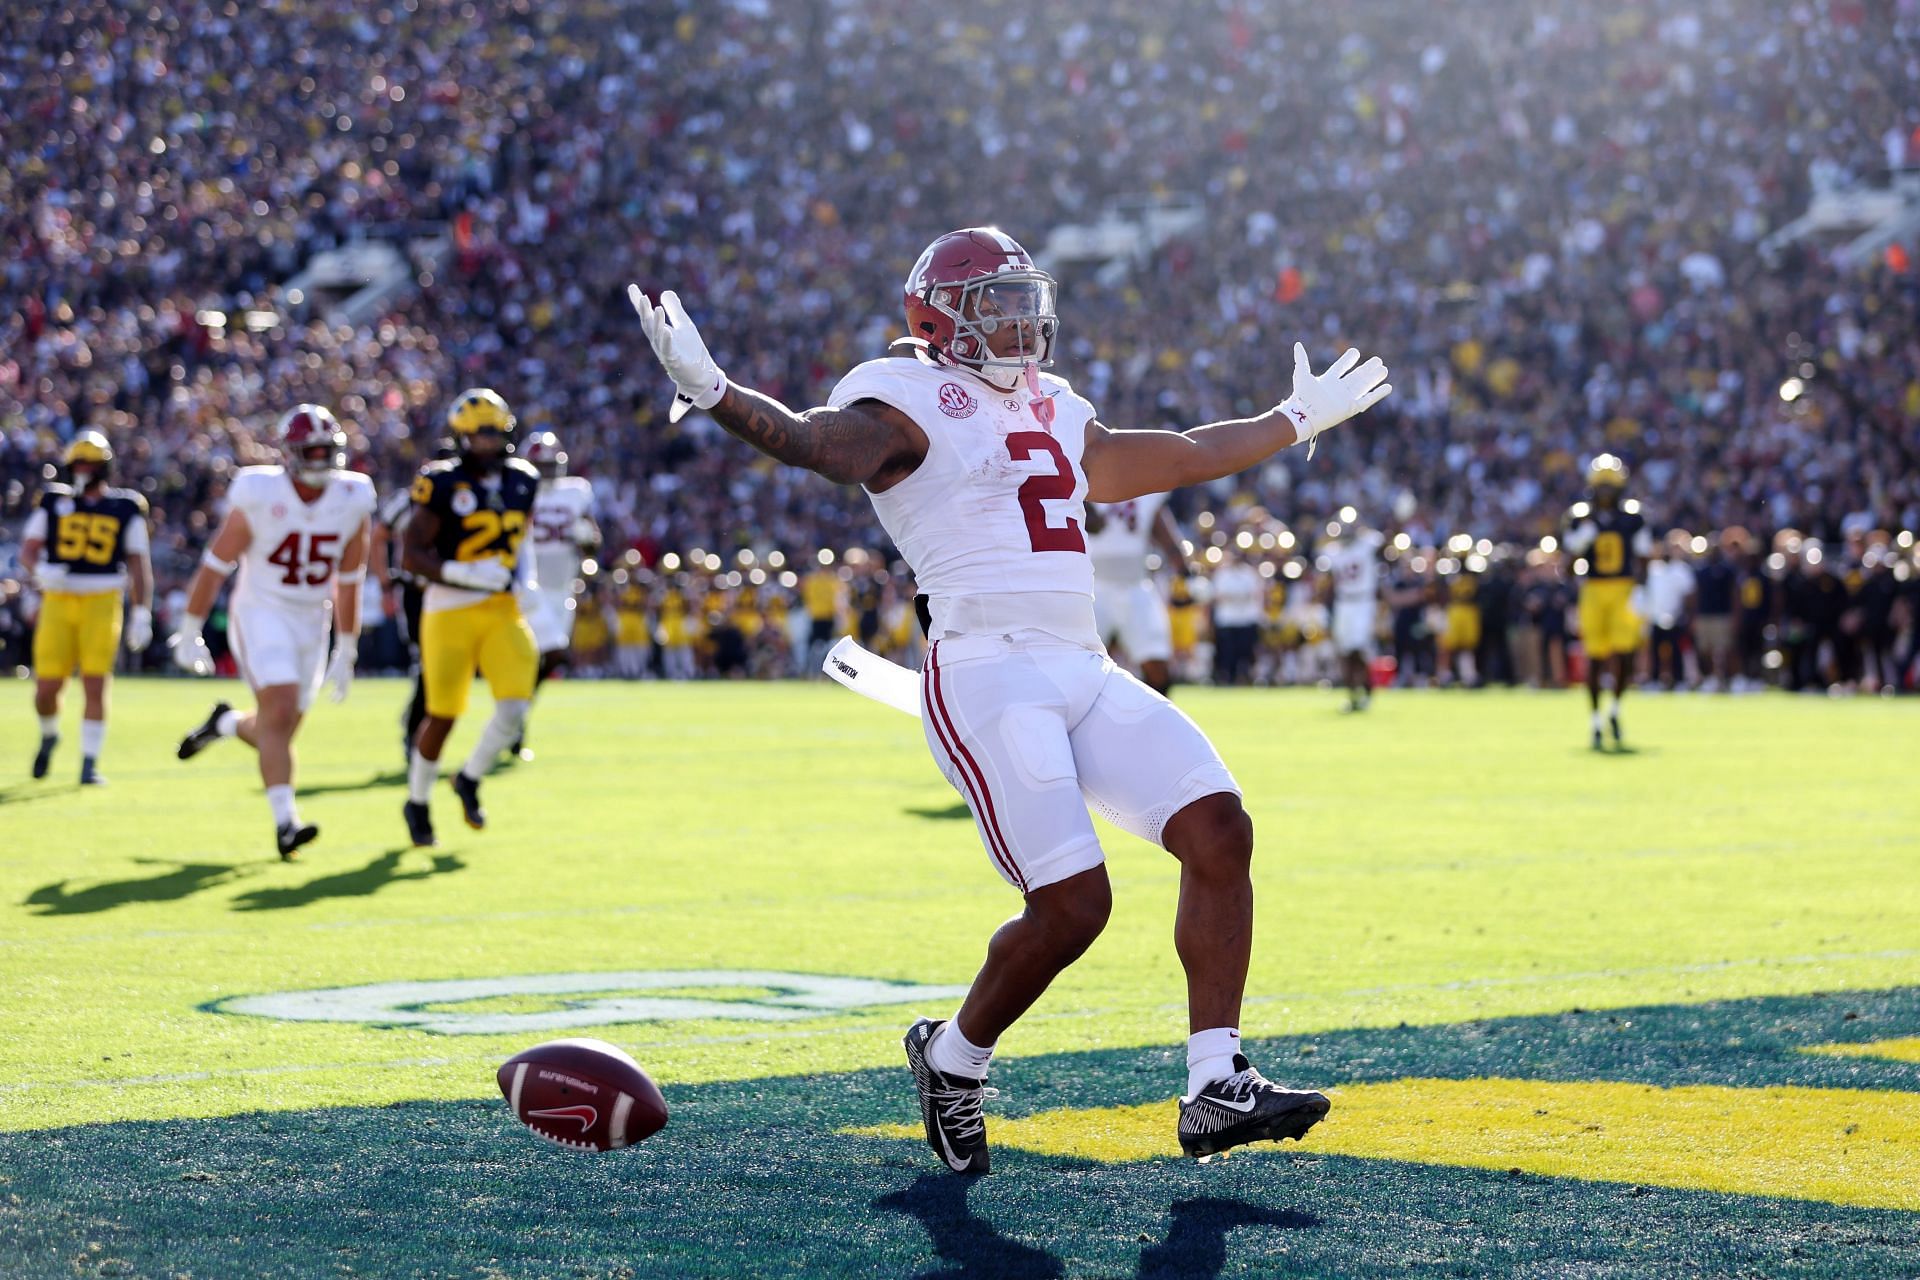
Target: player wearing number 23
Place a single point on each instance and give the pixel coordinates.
(85, 544)
(980, 467)
(297, 534)
(470, 516)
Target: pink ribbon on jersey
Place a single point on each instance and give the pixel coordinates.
(1041, 404)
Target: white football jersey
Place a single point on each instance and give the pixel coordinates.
(558, 506)
(1119, 549)
(1356, 567)
(998, 507)
(296, 546)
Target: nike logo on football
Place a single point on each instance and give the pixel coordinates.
(584, 1114)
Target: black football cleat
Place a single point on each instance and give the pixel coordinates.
(1599, 743)
(205, 735)
(419, 825)
(291, 837)
(43, 758)
(90, 775)
(1246, 1107)
(949, 1105)
(468, 790)
(1613, 722)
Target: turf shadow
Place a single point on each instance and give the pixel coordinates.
(968, 1243)
(956, 810)
(185, 880)
(28, 792)
(392, 778)
(375, 876)
(1196, 1243)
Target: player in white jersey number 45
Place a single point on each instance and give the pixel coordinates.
(298, 536)
(980, 467)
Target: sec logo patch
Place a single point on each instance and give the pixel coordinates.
(956, 401)
(464, 503)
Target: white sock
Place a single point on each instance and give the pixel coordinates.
(1598, 722)
(953, 1054)
(49, 726)
(1210, 1056)
(1614, 706)
(499, 734)
(281, 798)
(93, 736)
(421, 775)
(228, 724)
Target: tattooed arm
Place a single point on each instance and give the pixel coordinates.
(867, 442)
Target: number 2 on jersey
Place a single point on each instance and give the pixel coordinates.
(1022, 445)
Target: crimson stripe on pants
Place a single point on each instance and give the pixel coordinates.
(963, 760)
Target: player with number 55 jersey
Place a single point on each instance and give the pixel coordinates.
(297, 533)
(980, 467)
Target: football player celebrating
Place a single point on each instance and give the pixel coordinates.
(1126, 604)
(1609, 542)
(980, 468)
(86, 546)
(298, 534)
(563, 533)
(469, 516)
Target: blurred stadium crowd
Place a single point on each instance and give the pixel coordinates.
(1547, 218)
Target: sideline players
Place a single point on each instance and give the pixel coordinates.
(297, 533)
(1354, 565)
(469, 517)
(980, 468)
(1126, 604)
(94, 542)
(563, 532)
(1609, 541)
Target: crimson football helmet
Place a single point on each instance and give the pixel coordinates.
(964, 287)
(543, 450)
(313, 444)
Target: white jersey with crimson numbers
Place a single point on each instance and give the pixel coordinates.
(559, 506)
(992, 521)
(294, 554)
(1355, 565)
(1119, 547)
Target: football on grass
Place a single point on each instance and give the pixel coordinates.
(586, 1095)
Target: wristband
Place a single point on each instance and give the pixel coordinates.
(192, 624)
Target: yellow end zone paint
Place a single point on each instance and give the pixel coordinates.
(1841, 1146)
(1906, 1049)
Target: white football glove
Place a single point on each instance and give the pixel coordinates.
(1326, 400)
(681, 352)
(476, 575)
(139, 629)
(189, 647)
(346, 652)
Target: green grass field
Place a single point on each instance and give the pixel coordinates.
(1627, 1014)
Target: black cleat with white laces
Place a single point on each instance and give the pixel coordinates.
(468, 789)
(1246, 1107)
(43, 758)
(950, 1105)
(205, 735)
(290, 837)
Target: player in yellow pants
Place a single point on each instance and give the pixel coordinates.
(86, 545)
(1609, 541)
(463, 538)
